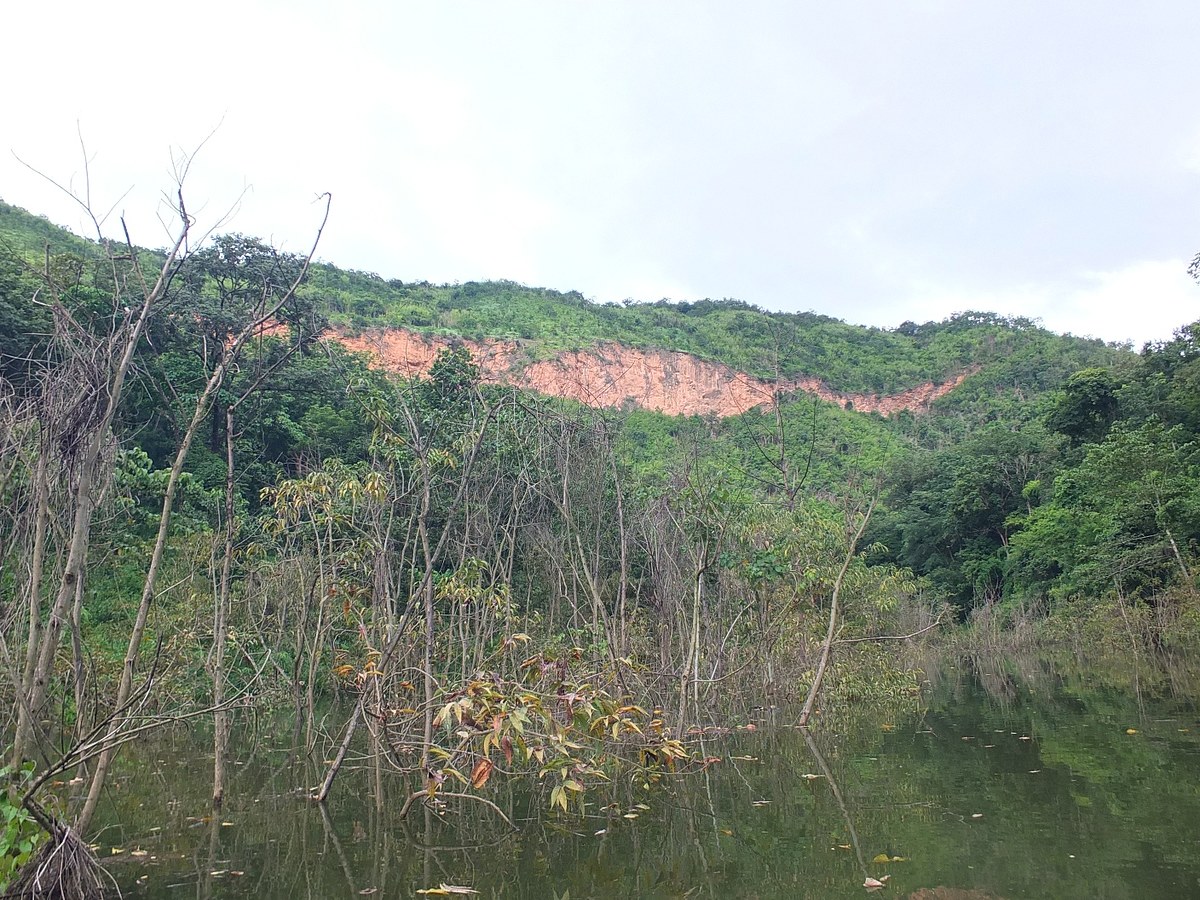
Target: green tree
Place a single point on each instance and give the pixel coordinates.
(1127, 516)
(1087, 406)
(954, 511)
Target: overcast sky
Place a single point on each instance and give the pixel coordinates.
(877, 161)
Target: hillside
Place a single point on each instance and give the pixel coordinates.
(964, 427)
(764, 345)
(718, 357)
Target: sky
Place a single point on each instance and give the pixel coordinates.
(874, 161)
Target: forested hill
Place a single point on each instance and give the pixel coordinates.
(529, 326)
(846, 357)
(1005, 450)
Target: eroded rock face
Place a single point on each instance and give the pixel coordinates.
(613, 375)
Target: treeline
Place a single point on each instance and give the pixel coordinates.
(770, 345)
(1093, 492)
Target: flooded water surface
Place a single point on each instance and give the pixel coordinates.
(1027, 780)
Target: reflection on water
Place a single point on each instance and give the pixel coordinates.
(1021, 779)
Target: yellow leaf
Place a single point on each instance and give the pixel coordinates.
(1131, 731)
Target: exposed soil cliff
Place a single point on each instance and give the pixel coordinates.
(613, 375)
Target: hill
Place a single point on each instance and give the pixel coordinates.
(954, 420)
(725, 355)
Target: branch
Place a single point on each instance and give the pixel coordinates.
(892, 637)
(827, 648)
(417, 795)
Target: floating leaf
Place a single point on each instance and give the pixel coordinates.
(881, 858)
(874, 884)
(445, 890)
(1131, 731)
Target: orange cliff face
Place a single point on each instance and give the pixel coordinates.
(612, 375)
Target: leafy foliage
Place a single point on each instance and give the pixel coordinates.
(20, 834)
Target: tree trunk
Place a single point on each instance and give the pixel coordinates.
(220, 714)
(831, 631)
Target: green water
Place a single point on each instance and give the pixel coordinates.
(1016, 781)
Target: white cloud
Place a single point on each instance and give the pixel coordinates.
(935, 154)
(1139, 302)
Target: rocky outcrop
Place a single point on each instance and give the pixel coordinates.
(613, 375)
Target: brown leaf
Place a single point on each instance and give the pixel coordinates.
(481, 773)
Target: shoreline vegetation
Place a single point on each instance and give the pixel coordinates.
(201, 518)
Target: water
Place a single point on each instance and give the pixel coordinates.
(1016, 781)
